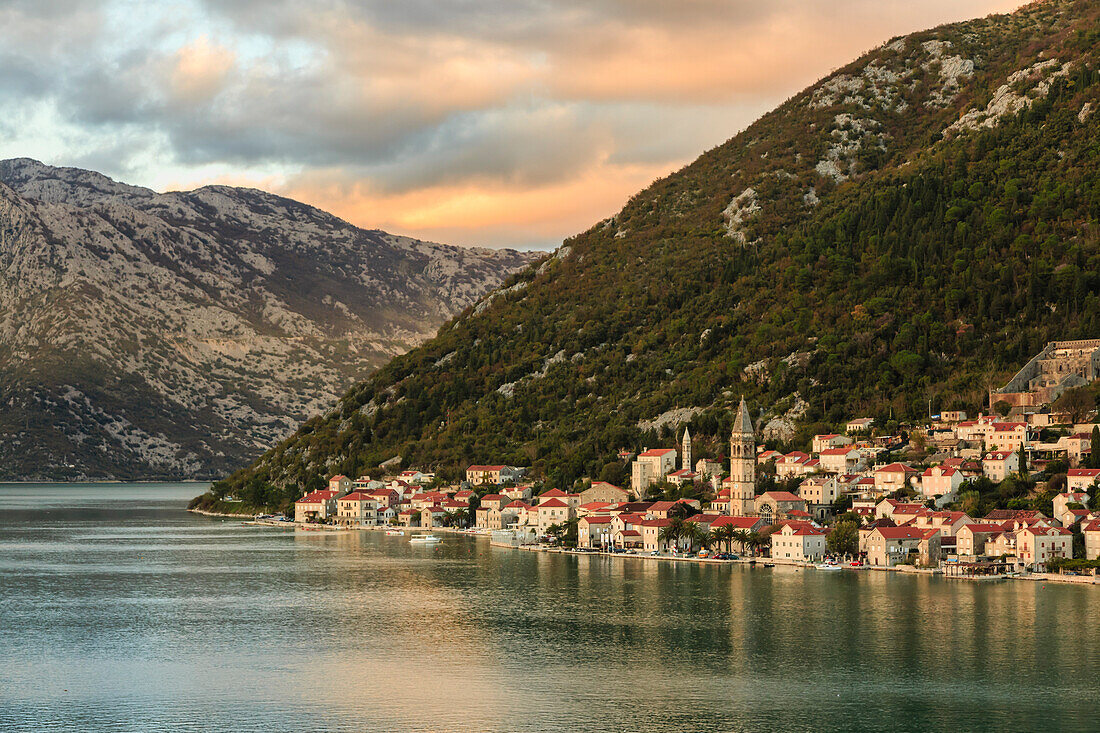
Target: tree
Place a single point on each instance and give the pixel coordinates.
(744, 538)
(725, 535)
(1002, 408)
(673, 532)
(1094, 455)
(1077, 402)
(570, 535)
(970, 502)
(844, 539)
(556, 532)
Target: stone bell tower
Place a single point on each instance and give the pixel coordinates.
(685, 451)
(742, 464)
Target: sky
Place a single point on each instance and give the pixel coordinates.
(501, 123)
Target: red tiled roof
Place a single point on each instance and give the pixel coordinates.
(902, 533)
(896, 468)
(317, 497)
(782, 496)
(597, 519)
(945, 470)
(357, 496)
(654, 523)
(736, 522)
(486, 468)
(1089, 472)
(656, 452)
(982, 528)
(553, 504)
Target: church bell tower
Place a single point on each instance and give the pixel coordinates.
(742, 464)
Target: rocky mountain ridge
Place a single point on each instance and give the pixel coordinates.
(176, 334)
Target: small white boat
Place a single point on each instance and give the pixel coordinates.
(827, 566)
(395, 532)
(425, 539)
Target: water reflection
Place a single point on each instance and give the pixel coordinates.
(122, 612)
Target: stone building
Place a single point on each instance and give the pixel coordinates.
(1061, 365)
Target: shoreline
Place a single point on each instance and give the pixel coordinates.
(228, 515)
(757, 562)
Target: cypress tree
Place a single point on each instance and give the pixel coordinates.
(1094, 456)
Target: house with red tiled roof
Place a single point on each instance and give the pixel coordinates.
(316, 506)
(341, 484)
(940, 480)
(1062, 503)
(997, 465)
(650, 467)
(385, 497)
(553, 511)
(524, 492)
(798, 540)
(793, 464)
(1007, 437)
(866, 529)
(651, 534)
(432, 516)
(1091, 530)
(890, 546)
(947, 522)
(357, 509)
(594, 531)
(893, 477)
(664, 509)
(1036, 546)
(479, 475)
(681, 477)
(829, 441)
(572, 500)
(899, 511)
(840, 460)
(971, 538)
(1082, 479)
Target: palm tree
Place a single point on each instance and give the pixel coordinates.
(725, 534)
(758, 541)
(673, 532)
(743, 537)
(704, 537)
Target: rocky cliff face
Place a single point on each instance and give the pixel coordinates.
(178, 334)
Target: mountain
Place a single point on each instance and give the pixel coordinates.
(902, 234)
(149, 335)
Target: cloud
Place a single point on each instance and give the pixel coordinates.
(473, 122)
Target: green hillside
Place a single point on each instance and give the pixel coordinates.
(911, 228)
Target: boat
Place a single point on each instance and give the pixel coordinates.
(827, 566)
(769, 564)
(395, 532)
(425, 539)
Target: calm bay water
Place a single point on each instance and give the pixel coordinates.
(119, 611)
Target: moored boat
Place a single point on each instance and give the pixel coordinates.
(425, 539)
(395, 532)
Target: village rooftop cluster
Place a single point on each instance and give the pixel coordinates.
(899, 510)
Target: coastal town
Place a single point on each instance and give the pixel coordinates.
(861, 497)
